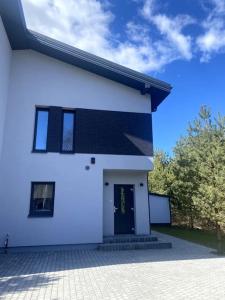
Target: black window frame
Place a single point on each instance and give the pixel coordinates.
(35, 130)
(71, 111)
(41, 214)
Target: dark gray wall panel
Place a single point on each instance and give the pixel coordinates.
(110, 132)
(54, 129)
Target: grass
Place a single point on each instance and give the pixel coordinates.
(198, 236)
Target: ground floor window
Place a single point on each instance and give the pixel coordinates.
(42, 199)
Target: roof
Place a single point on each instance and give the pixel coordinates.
(21, 38)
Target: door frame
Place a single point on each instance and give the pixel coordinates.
(134, 206)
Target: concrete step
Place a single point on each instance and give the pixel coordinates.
(134, 246)
(129, 239)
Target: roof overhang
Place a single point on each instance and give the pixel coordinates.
(21, 38)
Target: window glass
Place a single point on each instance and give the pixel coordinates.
(42, 199)
(68, 132)
(41, 130)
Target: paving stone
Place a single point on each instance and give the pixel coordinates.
(187, 271)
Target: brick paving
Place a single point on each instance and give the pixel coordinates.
(187, 271)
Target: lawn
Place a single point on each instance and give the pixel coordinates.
(198, 236)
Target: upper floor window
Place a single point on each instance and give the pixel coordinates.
(41, 130)
(68, 131)
(42, 199)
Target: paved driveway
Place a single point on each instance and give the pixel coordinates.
(187, 271)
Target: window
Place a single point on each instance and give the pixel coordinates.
(54, 130)
(68, 131)
(42, 199)
(41, 130)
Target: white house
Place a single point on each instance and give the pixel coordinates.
(75, 140)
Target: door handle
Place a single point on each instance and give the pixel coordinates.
(115, 209)
(132, 208)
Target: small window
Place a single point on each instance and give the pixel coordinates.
(68, 131)
(41, 130)
(42, 199)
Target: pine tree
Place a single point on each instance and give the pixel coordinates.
(207, 142)
(185, 183)
(159, 180)
(195, 176)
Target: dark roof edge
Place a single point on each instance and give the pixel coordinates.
(14, 22)
(100, 61)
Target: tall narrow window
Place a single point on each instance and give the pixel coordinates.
(68, 131)
(42, 199)
(41, 130)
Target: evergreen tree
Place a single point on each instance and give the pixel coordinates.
(195, 176)
(159, 180)
(207, 143)
(185, 183)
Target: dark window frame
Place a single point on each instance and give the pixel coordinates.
(37, 109)
(71, 111)
(35, 214)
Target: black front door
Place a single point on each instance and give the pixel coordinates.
(123, 208)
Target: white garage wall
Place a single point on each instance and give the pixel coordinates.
(5, 63)
(159, 209)
(141, 209)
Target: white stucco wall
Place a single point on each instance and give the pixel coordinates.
(5, 62)
(141, 208)
(159, 209)
(42, 80)
(78, 212)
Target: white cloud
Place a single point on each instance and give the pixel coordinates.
(171, 28)
(86, 24)
(213, 39)
(83, 23)
(219, 6)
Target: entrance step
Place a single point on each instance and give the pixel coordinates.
(134, 246)
(129, 239)
(132, 242)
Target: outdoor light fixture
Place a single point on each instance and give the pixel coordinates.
(92, 160)
(141, 184)
(106, 183)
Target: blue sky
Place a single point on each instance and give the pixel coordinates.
(179, 41)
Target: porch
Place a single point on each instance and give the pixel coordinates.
(125, 203)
